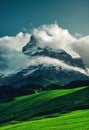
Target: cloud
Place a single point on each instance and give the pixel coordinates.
(13, 61)
(55, 37)
(81, 46)
(11, 56)
(78, 35)
(15, 42)
(55, 62)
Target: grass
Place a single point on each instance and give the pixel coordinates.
(77, 120)
(55, 103)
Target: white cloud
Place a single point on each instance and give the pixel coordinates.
(13, 60)
(55, 37)
(15, 42)
(81, 46)
(52, 61)
(78, 35)
(10, 51)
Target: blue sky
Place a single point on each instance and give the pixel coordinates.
(16, 15)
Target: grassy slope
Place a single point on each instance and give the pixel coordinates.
(46, 104)
(77, 120)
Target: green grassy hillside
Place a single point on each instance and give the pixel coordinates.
(77, 120)
(43, 105)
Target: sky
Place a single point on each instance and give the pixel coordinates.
(24, 15)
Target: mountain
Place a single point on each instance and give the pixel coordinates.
(47, 66)
(55, 66)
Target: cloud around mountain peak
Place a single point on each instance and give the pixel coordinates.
(51, 36)
(55, 37)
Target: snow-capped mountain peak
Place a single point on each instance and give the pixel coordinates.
(46, 64)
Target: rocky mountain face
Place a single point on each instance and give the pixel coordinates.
(49, 69)
(65, 69)
(32, 49)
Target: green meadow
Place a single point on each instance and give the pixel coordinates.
(62, 109)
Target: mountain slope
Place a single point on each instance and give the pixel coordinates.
(73, 120)
(45, 104)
